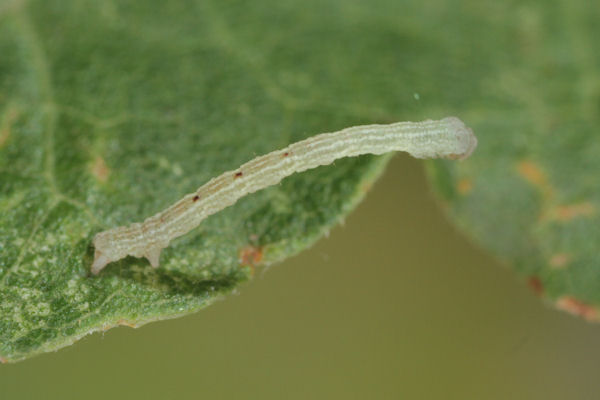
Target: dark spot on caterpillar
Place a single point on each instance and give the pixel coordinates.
(238, 174)
(196, 198)
(286, 154)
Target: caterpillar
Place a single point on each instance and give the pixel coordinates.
(447, 138)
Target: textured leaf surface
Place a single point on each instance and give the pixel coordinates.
(111, 110)
(531, 193)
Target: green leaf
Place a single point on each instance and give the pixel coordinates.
(530, 194)
(112, 110)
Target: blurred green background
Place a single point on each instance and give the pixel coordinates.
(394, 304)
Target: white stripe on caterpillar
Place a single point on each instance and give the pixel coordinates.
(448, 138)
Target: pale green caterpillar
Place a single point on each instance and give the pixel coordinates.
(448, 138)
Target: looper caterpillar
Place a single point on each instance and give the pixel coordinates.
(448, 138)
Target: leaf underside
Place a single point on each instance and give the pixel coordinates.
(112, 110)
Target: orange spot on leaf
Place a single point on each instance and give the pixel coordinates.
(536, 285)
(366, 186)
(124, 322)
(251, 255)
(6, 124)
(569, 212)
(100, 170)
(464, 186)
(576, 307)
(533, 174)
(559, 260)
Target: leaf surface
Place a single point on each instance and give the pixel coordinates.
(530, 194)
(112, 110)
